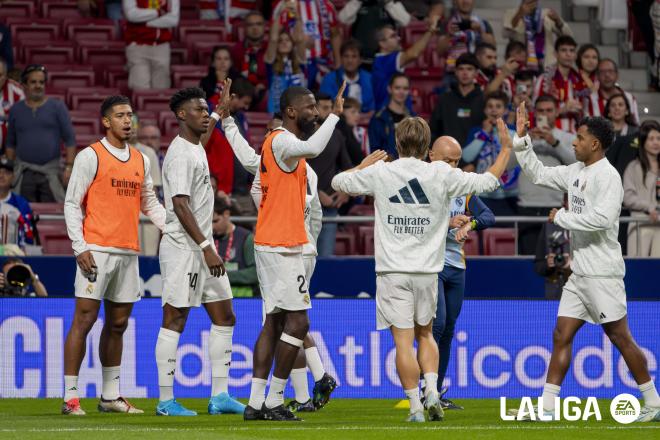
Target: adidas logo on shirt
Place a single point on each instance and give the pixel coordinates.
(576, 183)
(407, 197)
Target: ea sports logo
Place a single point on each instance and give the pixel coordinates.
(625, 408)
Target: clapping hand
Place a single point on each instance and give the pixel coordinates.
(522, 120)
(372, 159)
(338, 108)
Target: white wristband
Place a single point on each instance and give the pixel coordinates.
(204, 244)
(215, 116)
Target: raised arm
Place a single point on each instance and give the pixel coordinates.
(413, 52)
(271, 49)
(361, 179)
(242, 149)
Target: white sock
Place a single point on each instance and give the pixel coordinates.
(110, 390)
(220, 354)
(431, 382)
(550, 391)
(275, 392)
(257, 393)
(166, 345)
(415, 402)
(314, 363)
(70, 388)
(649, 393)
(299, 382)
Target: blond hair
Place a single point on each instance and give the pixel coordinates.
(413, 137)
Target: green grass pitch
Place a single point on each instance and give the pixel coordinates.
(340, 419)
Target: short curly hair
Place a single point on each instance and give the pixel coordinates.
(111, 101)
(601, 128)
(184, 95)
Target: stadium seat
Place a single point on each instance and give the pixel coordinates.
(35, 30)
(18, 9)
(103, 53)
(90, 30)
(169, 126)
(189, 10)
(85, 140)
(87, 91)
(152, 99)
(202, 50)
(47, 208)
(202, 30)
(60, 52)
(54, 238)
(72, 77)
(499, 241)
(471, 245)
(178, 53)
(366, 239)
(90, 101)
(148, 117)
(85, 122)
(187, 75)
(344, 243)
(59, 9)
(414, 31)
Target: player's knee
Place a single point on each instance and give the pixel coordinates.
(297, 325)
(560, 337)
(84, 320)
(619, 338)
(117, 325)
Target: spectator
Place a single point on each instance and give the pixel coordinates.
(464, 31)
(358, 81)
(6, 48)
(235, 245)
(92, 8)
(139, 138)
(588, 57)
(148, 34)
(225, 10)
(461, 107)
(625, 146)
(641, 184)
(357, 138)
(608, 75)
(562, 81)
(553, 147)
(523, 88)
(392, 59)
(248, 55)
(486, 55)
(482, 150)
(422, 9)
(18, 279)
(553, 259)
(384, 122)
(10, 93)
(37, 127)
(16, 213)
(537, 28)
(285, 60)
(220, 69)
(365, 18)
(320, 25)
(149, 134)
(333, 160)
(515, 61)
(647, 17)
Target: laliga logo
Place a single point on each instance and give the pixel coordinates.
(625, 408)
(567, 409)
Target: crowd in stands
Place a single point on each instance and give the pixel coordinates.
(434, 58)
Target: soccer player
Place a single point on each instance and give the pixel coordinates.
(467, 213)
(309, 355)
(110, 185)
(279, 240)
(412, 199)
(595, 291)
(193, 272)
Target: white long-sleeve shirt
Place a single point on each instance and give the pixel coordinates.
(251, 160)
(412, 209)
(595, 194)
(82, 176)
(150, 17)
(287, 148)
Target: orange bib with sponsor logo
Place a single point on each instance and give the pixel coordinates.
(112, 202)
(281, 219)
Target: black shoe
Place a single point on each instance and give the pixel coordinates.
(446, 403)
(295, 406)
(322, 390)
(251, 414)
(278, 414)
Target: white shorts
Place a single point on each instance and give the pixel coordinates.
(595, 300)
(405, 299)
(186, 278)
(283, 281)
(118, 279)
(310, 263)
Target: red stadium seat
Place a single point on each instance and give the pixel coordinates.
(187, 75)
(85, 122)
(85, 140)
(148, 117)
(152, 99)
(344, 243)
(203, 30)
(91, 30)
(366, 239)
(54, 238)
(59, 9)
(169, 126)
(73, 91)
(47, 208)
(471, 246)
(499, 241)
(178, 53)
(35, 30)
(116, 77)
(189, 10)
(201, 50)
(90, 102)
(17, 9)
(102, 54)
(414, 31)
(63, 79)
(52, 53)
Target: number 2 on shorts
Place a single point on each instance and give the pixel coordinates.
(301, 280)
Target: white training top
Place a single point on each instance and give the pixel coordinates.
(186, 173)
(595, 194)
(82, 176)
(251, 160)
(412, 209)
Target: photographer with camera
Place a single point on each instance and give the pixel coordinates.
(18, 279)
(553, 259)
